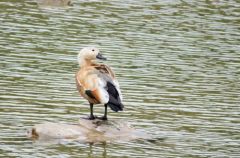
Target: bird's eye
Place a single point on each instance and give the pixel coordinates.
(93, 50)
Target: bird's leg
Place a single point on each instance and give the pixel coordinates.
(92, 117)
(105, 113)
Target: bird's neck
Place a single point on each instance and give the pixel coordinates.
(86, 62)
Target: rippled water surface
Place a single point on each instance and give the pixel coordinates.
(178, 64)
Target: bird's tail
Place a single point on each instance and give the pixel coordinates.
(116, 107)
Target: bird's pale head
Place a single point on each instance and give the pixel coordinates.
(89, 54)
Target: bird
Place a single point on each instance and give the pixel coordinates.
(97, 83)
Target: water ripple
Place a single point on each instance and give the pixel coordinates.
(177, 63)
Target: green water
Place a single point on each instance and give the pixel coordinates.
(177, 62)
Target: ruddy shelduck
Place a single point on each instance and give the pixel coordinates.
(97, 82)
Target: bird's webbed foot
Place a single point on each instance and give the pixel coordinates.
(104, 118)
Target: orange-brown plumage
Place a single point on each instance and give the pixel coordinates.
(96, 82)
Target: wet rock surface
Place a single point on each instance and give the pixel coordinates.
(86, 131)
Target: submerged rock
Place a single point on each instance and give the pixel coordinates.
(86, 131)
(54, 3)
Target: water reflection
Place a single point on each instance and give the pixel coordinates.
(91, 150)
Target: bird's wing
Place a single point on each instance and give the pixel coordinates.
(107, 72)
(111, 86)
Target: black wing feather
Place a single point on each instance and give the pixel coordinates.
(89, 93)
(114, 100)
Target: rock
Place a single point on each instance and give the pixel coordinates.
(54, 3)
(86, 131)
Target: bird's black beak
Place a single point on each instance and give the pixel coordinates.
(99, 56)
